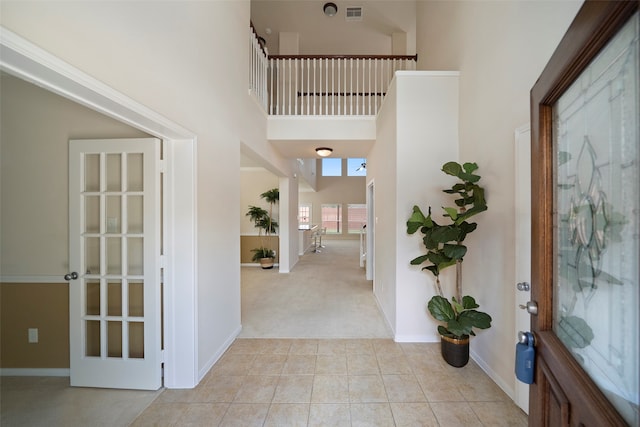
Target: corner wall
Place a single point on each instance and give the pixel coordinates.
(427, 138)
(500, 49)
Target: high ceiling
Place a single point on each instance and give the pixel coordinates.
(320, 34)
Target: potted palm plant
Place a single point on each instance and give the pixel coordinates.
(266, 225)
(444, 248)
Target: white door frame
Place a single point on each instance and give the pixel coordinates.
(371, 231)
(523, 245)
(28, 62)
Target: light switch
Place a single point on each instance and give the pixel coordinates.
(33, 335)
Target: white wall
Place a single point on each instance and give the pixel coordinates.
(381, 171)
(168, 56)
(500, 49)
(319, 34)
(427, 137)
(417, 133)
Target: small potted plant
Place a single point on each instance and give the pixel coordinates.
(444, 248)
(264, 222)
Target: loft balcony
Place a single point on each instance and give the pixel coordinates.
(322, 85)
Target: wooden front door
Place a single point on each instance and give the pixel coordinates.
(585, 223)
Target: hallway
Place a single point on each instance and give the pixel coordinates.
(326, 295)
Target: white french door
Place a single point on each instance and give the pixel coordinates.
(114, 260)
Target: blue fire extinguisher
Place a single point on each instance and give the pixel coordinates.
(525, 357)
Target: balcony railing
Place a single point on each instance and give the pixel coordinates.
(328, 85)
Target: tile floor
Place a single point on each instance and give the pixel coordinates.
(337, 366)
(335, 382)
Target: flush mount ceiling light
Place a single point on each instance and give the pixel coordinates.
(330, 9)
(324, 151)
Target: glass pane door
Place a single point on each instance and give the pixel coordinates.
(113, 238)
(114, 235)
(596, 225)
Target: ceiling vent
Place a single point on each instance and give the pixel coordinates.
(353, 13)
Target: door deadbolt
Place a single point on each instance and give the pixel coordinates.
(531, 307)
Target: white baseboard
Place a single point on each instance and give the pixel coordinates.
(508, 389)
(218, 354)
(416, 338)
(34, 372)
(386, 319)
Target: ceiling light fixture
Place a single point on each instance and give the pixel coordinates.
(324, 151)
(330, 9)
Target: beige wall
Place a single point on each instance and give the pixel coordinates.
(36, 126)
(499, 48)
(44, 306)
(251, 242)
(335, 190)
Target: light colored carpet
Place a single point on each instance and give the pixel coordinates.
(325, 295)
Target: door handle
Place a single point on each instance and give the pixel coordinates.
(523, 286)
(531, 307)
(71, 276)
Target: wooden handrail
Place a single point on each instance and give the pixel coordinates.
(253, 29)
(406, 57)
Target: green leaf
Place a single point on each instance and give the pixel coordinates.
(475, 319)
(468, 302)
(434, 269)
(419, 260)
(444, 234)
(457, 328)
(415, 221)
(454, 251)
(470, 167)
(451, 212)
(441, 309)
(457, 307)
(469, 177)
(444, 331)
(469, 213)
(452, 168)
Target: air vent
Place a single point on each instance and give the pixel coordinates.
(353, 13)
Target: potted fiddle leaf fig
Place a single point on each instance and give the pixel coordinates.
(444, 248)
(264, 222)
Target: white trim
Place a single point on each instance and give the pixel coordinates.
(218, 354)
(416, 338)
(418, 73)
(34, 372)
(33, 64)
(33, 279)
(491, 373)
(26, 61)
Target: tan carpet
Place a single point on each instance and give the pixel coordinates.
(326, 295)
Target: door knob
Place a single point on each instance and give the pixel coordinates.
(71, 276)
(531, 307)
(524, 286)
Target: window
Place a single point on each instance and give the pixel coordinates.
(331, 167)
(332, 218)
(304, 216)
(357, 167)
(356, 217)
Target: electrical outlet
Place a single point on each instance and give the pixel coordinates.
(33, 335)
